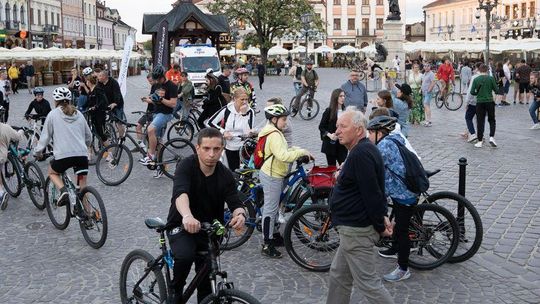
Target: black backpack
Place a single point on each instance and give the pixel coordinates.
(298, 74)
(416, 179)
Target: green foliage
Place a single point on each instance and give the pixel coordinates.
(148, 45)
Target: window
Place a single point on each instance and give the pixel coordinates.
(365, 2)
(515, 7)
(46, 17)
(433, 20)
(350, 24)
(507, 11)
(440, 19)
(58, 19)
(337, 2)
(337, 24)
(350, 2)
(52, 18)
(22, 15)
(523, 10)
(39, 17)
(380, 22)
(453, 17)
(15, 15)
(380, 2)
(365, 26)
(31, 21)
(532, 9)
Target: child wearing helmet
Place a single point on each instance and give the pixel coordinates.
(40, 105)
(277, 157)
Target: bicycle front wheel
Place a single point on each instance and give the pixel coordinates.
(237, 237)
(94, 227)
(181, 129)
(433, 232)
(59, 215)
(114, 164)
(230, 296)
(11, 178)
(310, 238)
(470, 224)
(35, 185)
(309, 108)
(291, 104)
(173, 152)
(150, 290)
(454, 101)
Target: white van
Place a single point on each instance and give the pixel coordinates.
(196, 59)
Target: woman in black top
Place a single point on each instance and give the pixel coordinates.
(334, 151)
(499, 76)
(214, 102)
(97, 106)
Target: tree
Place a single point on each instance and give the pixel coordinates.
(148, 45)
(271, 19)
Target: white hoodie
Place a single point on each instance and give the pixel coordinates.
(237, 124)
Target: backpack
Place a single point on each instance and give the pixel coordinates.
(298, 74)
(258, 155)
(416, 179)
(225, 117)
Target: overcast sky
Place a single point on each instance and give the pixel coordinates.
(132, 11)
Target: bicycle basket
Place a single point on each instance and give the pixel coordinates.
(322, 177)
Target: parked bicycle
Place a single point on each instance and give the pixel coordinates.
(86, 205)
(308, 108)
(19, 173)
(452, 100)
(141, 275)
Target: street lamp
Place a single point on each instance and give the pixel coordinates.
(306, 20)
(450, 28)
(487, 6)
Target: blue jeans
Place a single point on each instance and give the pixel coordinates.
(535, 104)
(160, 122)
(297, 87)
(469, 115)
(81, 103)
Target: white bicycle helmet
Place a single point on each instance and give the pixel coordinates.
(87, 71)
(61, 94)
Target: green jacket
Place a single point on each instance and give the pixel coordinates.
(483, 88)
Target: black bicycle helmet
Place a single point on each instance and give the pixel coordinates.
(382, 123)
(248, 149)
(158, 72)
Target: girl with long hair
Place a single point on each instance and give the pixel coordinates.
(334, 151)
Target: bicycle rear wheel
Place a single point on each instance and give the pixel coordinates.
(433, 232)
(173, 152)
(309, 108)
(11, 178)
(310, 238)
(114, 164)
(151, 290)
(237, 237)
(291, 104)
(230, 296)
(454, 101)
(94, 227)
(59, 215)
(35, 185)
(181, 129)
(470, 224)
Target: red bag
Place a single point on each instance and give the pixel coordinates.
(258, 156)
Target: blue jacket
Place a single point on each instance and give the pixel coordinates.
(355, 95)
(393, 164)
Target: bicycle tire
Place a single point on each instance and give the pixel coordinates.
(181, 129)
(453, 101)
(110, 132)
(291, 104)
(230, 296)
(127, 296)
(104, 166)
(10, 176)
(97, 218)
(61, 221)
(438, 101)
(311, 113)
(461, 254)
(318, 245)
(418, 222)
(244, 234)
(170, 155)
(37, 182)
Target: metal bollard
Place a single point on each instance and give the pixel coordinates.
(461, 190)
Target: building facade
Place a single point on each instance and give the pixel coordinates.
(14, 23)
(45, 23)
(90, 24)
(73, 24)
(415, 32)
(121, 32)
(460, 20)
(105, 27)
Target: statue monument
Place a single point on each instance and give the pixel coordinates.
(393, 8)
(394, 34)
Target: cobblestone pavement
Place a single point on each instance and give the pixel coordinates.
(39, 264)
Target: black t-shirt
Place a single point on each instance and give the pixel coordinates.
(113, 93)
(171, 91)
(76, 85)
(207, 194)
(151, 107)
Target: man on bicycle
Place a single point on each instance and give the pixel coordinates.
(69, 131)
(40, 105)
(445, 74)
(202, 185)
(164, 105)
(242, 82)
(310, 80)
(185, 96)
(114, 97)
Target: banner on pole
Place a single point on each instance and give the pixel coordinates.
(161, 46)
(122, 76)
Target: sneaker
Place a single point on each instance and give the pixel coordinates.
(281, 217)
(427, 124)
(158, 173)
(505, 103)
(536, 126)
(472, 138)
(270, 251)
(492, 142)
(478, 144)
(146, 161)
(388, 253)
(4, 197)
(278, 240)
(397, 275)
(63, 199)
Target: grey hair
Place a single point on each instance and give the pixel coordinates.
(358, 118)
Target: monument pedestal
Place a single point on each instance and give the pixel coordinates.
(393, 42)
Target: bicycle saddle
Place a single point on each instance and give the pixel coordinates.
(431, 173)
(155, 223)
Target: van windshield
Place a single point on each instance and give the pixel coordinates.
(200, 64)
